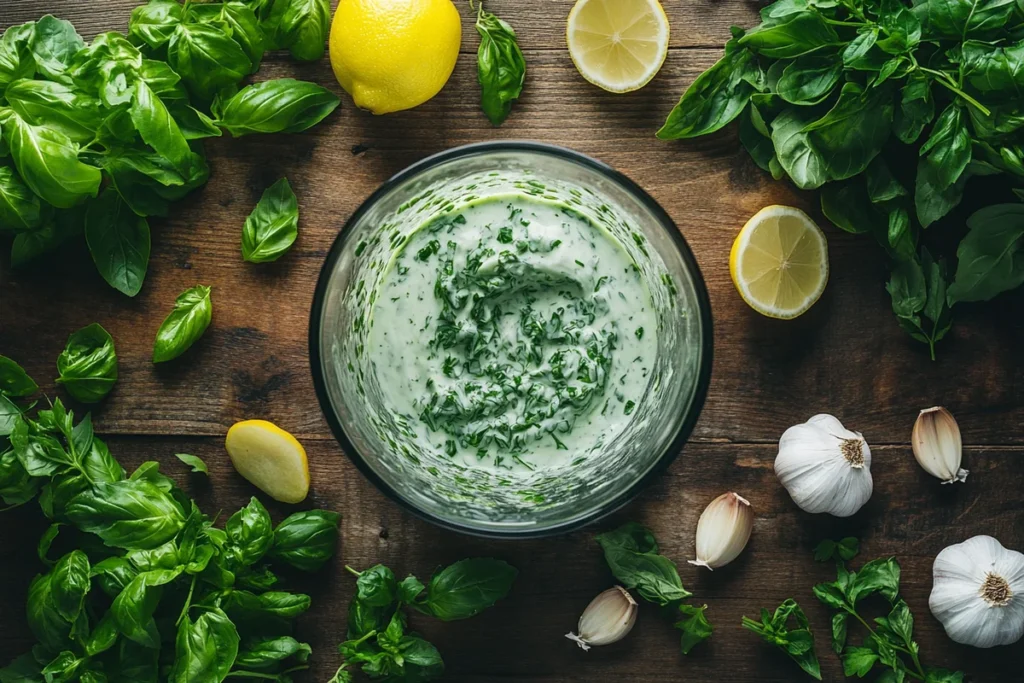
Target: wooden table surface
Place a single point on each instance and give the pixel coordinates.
(846, 357)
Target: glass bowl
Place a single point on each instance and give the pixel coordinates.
(477, 500)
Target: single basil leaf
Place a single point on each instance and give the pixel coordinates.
(377, 587)
(131, 514)
(916, 110)
(46, 623)
(163, 80)
(853, 131)
(14, 381)
(282, 105)
(299, 25)
(113, 574)
(409, 589)
(695, 627)
(809, 79)
(993, 69)
(16, 58)
(856, 54)
(802, 161)
(188, 321)
(963, 18)
(931, 200)
(158, 128)
(16, 486)
(948, 148)
(830, 594)
(204, 649)
(47, 160)
(990, 260)
(839, 631)
(251, 532)
(193, 461)
(134, 608)
(65, 109)
(193, 124)
(467, 587)
(306, 540)
(364, 619)
(858, 661)
(715, 98)
(271, 228)
(902, 237)
(119, 242)
(154, 22)
(632, 555)
(88, 364)
(266, 653)
(54, 44)
(284, 605)
(877, 576)
(102, 638)
(100, 465)
(791, 36)
(20, 209)
(69, 584)
(422, 660)
(207, 59)
(241, 19)
(501, 67)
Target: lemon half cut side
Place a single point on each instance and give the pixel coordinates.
(618, 45)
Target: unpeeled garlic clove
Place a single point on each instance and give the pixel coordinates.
(937, 445)
(723, 530)
(607, 619)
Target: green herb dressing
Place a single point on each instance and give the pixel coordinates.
(512, 334)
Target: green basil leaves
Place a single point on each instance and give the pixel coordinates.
(14, 381)
(301, 26)
(306, 540)
(88, 365)
(464, 589)
(271, 228)
(282, 105)
(501, 67)
(192, 313)
(119, 242)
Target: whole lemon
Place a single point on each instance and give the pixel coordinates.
(391, 55)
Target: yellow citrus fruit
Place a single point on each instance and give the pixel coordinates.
(779, 262)
(618, 45)
(270, 458)
(391, 55)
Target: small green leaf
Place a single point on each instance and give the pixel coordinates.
(858, 661)
(501, 67)
(839, 631)
(14, 381)
(194, 461)
(466, 588)
(192, 313)
(632, 555)
(119, 242)
(695, 627)
(306, 540)
(271, 228)
(88, 364)
(282, 105)
(877, 576)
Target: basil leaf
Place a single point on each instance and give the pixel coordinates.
(877, 576)
(931, 200)
(306, 540)
(155, 22)
(16, 58)
(69, 584)
(839, 625)
(992, 69)
(632, 555)
(809, 79)
(963, 18)
(240, 18)
(409, 589)
(948, 148)
(20, 210)
(134, 608)
(284, 605)
(100, 465)
(917, 109)
(46, 623)
(207, 59)
(192, 313)
(266, 653)
(695, 627)
(55, 42)
(271, 228)
(467, 587)
(204, 649)
(422, 661)
(377, 587)
(119, 242)
(193, 461)
(88, 364)
(76, 114)
(47, 160)
(853, 131)
(251, 532)
(194, 124)
(791, 36)
(16, 486)
(803, 163)
(14, 381)
(131, 514)
(282, 105)
(990, 257)
(158, 128)
(299, 25)
(501, 67)
(858, 661)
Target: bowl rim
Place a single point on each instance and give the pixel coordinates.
(674, 448)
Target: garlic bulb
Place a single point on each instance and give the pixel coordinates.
(937, 445)
(825, 467)
(723, 530)
(607, 619)
(978, 592)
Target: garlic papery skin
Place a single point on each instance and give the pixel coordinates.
(607, 619)
(978, 592)
(825, 467)
(723, 530)
(937, 445)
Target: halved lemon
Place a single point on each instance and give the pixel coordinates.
(618, 45)
(270, 458)
(779, 262)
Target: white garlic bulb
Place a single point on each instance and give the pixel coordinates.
(937, 445)
(723, 530)
(978, 592)
(825, 467)
(607, 619)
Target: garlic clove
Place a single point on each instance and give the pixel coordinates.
(978, 592)
(607, 619)
(825, 467)
(723, 531)
(937, 445)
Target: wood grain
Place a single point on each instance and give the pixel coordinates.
(846, 357)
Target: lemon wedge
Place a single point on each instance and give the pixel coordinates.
(779, 262)
(618, 45)
(270, 458)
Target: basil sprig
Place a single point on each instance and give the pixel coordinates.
(186, 323)
(271, 228)
(501, 67)
(88, 364)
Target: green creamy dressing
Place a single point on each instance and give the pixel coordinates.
(512, 333)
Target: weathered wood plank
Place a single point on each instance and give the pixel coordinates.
(540, 24)
(911, 516)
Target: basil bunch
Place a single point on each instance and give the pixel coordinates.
(151, 590)
(632, 555)
(95, 139)
(377, 638)
(501, 67)
(840, 95)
